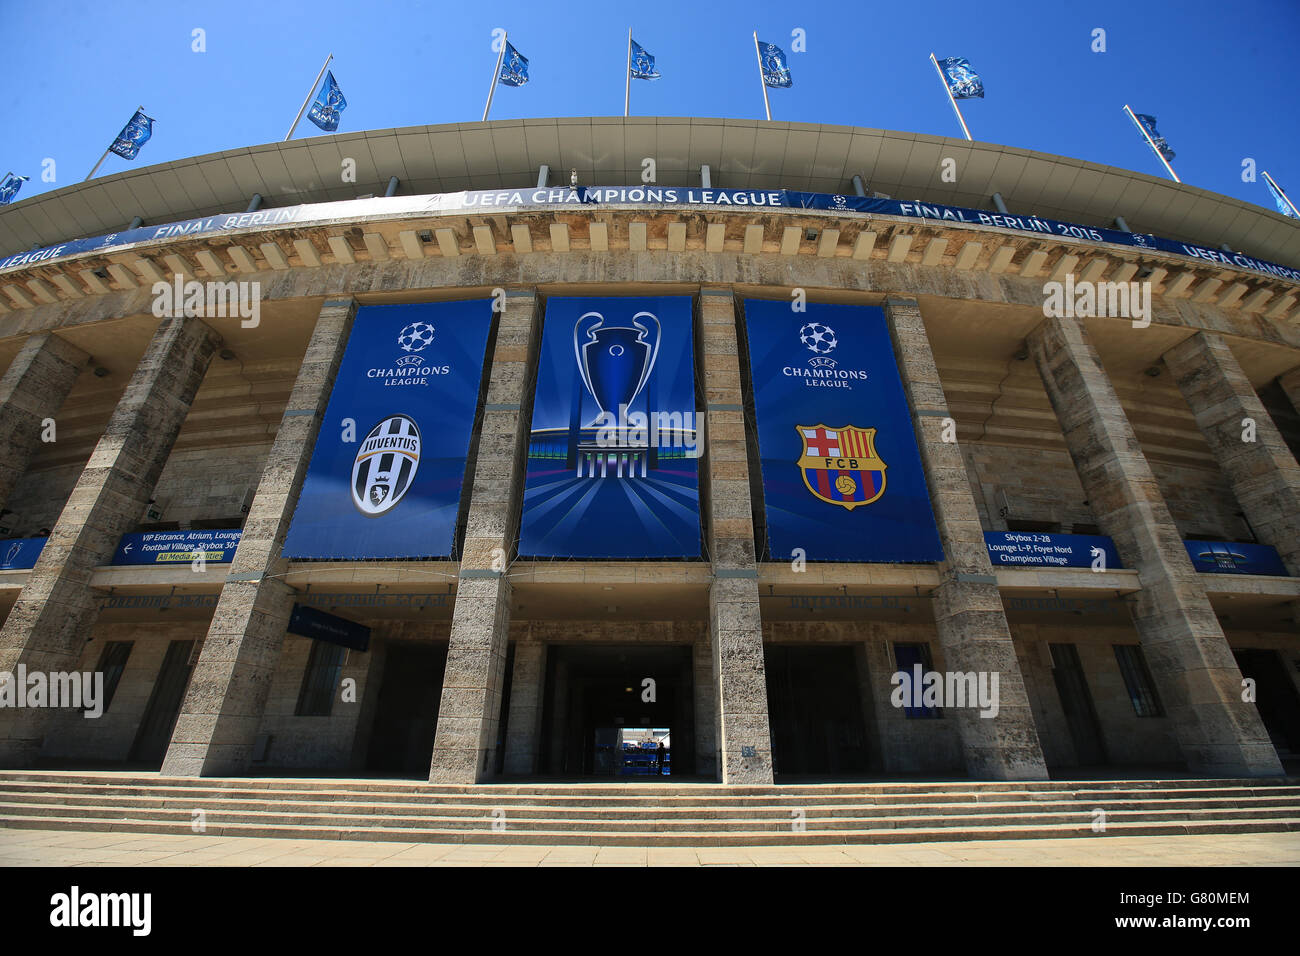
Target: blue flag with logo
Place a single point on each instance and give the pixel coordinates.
(389, 463)
(514, 67)
(1283, 206)
(776, 72)
(963, 82)
(643, 64)
(842, 475)
(134, 135)
(9, 187)
(329, 104)
(1148, 123)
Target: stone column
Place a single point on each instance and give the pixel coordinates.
(228, 690)
(742, 735)
(968, 613)
(527, 690)
(37, 382)
(1263, 473)
(470, 710)
(46, 629)
(1184, 645)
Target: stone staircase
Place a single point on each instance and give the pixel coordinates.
(642, 814)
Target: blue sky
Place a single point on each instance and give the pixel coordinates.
(1219, 76)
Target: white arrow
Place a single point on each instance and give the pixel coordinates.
(127, 549)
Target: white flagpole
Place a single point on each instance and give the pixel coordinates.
(138, 109)
(762, 82)
(627, 80)
(951, 99)
(496, 75)
(1152, 143)
(310, 93)
(1278, 189)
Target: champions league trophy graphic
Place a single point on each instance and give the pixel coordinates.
(615, 362)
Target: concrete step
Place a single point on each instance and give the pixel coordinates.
(637, 814)
(848, 807)
(684, 838)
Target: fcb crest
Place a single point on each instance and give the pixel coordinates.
(840, 465)
(385, 465)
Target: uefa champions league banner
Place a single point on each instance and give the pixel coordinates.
(842, 476)
(389, 486)
(613, 454)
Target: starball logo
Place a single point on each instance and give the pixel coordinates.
(822, 370)
(411, 368)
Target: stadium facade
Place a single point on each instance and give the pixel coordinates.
(1093, 505)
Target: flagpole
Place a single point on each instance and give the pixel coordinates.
(138, 109)
(496, 75)
(1152, 143)
(627, 80)
(310, 93)
(1285, 198)
(951, 99)
(762, 82)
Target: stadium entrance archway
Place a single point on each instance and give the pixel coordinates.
(815, 711)
(401, 739)
(598, 699)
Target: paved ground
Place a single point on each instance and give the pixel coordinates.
(19, 847)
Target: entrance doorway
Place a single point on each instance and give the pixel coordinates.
(1276, 698)
(164, 705)
(1076, 702)
(599, 712)
(815, 711)
(401, 740)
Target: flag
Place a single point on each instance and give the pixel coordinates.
(1148, 123)
(643, 64)
(1282, 205)
(329, 104)
(963, 82)
(514, 67)
(775, 70)
(9, 187)
(134, 135)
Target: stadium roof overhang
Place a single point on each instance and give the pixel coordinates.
(613, 150)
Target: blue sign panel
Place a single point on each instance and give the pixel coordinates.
(177, 547)
(1234, 557)
(613, 469)
(842, 476)
(1034, 549)
(323, 626)
(386, 474)
(18, 554)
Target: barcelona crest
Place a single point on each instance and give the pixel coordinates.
(840, 465)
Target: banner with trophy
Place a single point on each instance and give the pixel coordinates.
(842, 478)
(613, 454)
(386, 473)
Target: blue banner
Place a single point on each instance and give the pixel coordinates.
(1036, 549)
(323, 626)
(1234, 557)
(613, 468)
(963, 81)
(494, 199)
(134, 134)
(842, 476)
(177, 547)
(19, 554)
(386, 474)
(514, 67)
(775, 69)
(329, 103)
